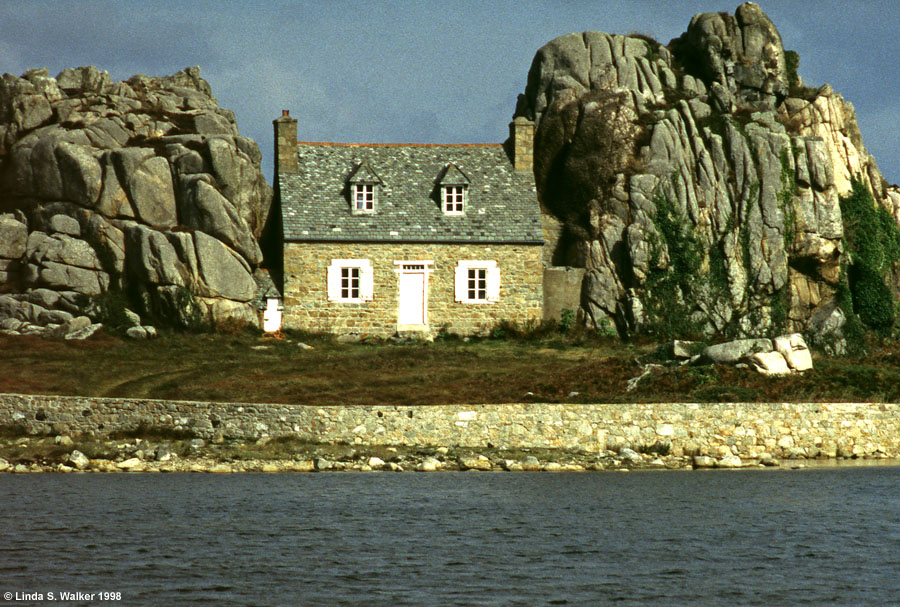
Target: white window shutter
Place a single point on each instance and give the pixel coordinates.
(493, 283)
(366, 281)
(334, 282)
(461, 283)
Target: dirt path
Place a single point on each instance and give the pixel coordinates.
(144, 385)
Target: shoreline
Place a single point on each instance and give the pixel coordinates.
(63, 454)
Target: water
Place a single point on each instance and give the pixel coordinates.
(810, 537)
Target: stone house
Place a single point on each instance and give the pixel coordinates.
(385, 239)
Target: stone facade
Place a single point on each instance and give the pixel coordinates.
(385, 239)
(307, 307)
(751, 431)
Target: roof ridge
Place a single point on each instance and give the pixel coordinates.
(409, 145)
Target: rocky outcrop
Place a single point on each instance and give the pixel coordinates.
(699, 184)
(142, 188)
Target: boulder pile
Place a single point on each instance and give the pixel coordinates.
(699, 184)
(125, 195)
(783, 355)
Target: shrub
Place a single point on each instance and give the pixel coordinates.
(657, 448)
(108, 307)
(791, 64)
(566, 320)
(669, 290)
(873, 242)
(872, 299)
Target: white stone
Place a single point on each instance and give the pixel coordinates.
(130, 464)
(704, 461)
(132, 318)
(136, 333)
(375, 462)
(769, 363)
(665, 430)
(476, 463)
(631, 455)
(795, 351)
(430, 464)
(467, 416)
(324, 464)
(530, 463)
(78, 460)
(786, 442)
(732, 461)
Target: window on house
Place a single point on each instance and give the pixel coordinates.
(364, 197)
(350, 280)
(477, 282)
(349, 283)
(454, 199)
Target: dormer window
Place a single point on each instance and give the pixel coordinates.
(454, 199)
(454, 191)
(364, 184)
(363, 197)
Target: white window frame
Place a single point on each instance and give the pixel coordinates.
(336, 280)
(462, 281)
(364, 197)
(453, 199)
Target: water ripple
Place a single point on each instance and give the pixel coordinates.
(667, 539)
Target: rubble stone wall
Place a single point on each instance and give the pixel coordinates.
(748, 430)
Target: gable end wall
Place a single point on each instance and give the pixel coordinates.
(306, 305)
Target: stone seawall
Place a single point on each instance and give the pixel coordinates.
(748, 430)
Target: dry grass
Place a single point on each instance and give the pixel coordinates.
(248, 368)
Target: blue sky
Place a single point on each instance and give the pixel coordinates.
(420, 71)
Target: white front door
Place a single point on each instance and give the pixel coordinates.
(411, 307)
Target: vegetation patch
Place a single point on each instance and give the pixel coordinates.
(669, 290)
(786, 199)
(693, 272)
(791, 65)
(872, 240)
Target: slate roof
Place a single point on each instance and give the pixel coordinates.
(501, 205)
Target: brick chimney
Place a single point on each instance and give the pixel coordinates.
(285, 144)
(521, 136)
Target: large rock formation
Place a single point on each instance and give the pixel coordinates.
(699, 184)
(142, 188)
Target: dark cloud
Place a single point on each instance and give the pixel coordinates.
(418, 70)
